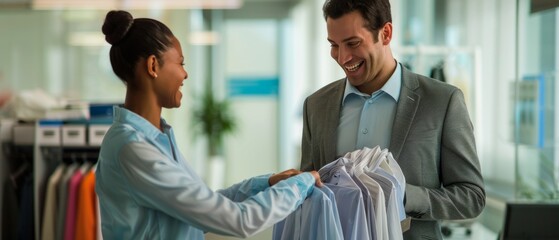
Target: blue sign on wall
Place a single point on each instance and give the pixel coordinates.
(253, 86)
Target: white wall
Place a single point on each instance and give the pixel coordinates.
(251, 51)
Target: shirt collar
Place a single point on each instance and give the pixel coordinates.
(392, 86)
(394, 83)
(123, 115)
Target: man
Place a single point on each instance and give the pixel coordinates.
(423, 122)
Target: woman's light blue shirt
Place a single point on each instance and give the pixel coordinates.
(148, 191)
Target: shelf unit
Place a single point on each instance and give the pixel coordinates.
(53, 141)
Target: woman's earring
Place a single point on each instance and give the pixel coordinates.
(155, 75)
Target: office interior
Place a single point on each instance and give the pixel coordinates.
(264, 57)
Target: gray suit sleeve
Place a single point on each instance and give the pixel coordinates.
(461, 192)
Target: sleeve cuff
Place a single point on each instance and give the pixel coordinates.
(261, 182)
(415, 205)
(305, 183)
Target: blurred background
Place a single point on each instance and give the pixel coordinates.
(263, 57)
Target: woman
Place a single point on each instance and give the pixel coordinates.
(146, 189)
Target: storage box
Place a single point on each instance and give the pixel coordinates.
(6, 130)
(24, 134)
(96, 133)
(73, 135)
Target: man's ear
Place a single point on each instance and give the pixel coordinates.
(152, 66)
(386, 33)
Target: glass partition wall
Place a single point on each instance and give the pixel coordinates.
(503, 55)
(535, 115)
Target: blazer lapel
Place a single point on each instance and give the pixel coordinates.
(405, 112)
(332, 108)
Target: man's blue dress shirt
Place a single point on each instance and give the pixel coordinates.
(366, 120)
(352, 215)
(316, 219)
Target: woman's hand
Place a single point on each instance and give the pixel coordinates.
(317, 180)
(282, 175)
(290, 173)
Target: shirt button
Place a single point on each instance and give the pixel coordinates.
(370, 101)
(365, 131)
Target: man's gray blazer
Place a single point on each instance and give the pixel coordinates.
(432, 139)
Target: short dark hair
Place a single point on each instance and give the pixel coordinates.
(132, 40)
(375, 12)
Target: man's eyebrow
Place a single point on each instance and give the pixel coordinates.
(345, 40)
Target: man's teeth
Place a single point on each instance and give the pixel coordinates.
(353, 67)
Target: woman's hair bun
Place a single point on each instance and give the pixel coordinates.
(116, 25)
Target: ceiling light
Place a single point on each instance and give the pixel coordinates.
(204, 38)
(136, 4)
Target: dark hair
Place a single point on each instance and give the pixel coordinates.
(375, 12)
(132, 40)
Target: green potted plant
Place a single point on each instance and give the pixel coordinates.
(213, 120)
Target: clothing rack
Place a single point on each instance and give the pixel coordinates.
(62, 142)
(44, 145)
(6, 142)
